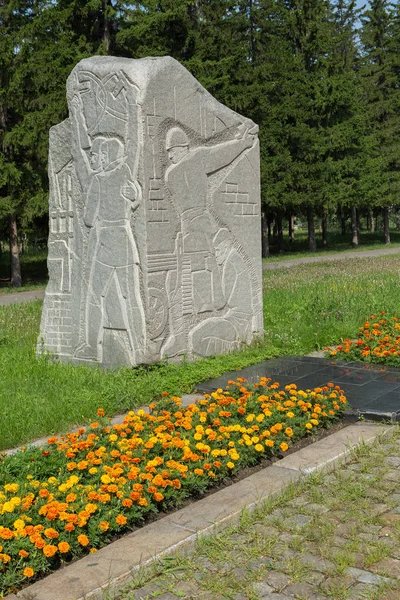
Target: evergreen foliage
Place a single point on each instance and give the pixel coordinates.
(324, 90)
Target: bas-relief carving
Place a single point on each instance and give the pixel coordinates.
(158, 230)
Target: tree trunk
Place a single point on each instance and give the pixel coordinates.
(354, 232)
(312, 244)
(371, 221)
(278, 221)
(324, 227)
(106, 28)
(264, 236)
(358, 224)
(291, 228)
(16, 280)
(386, 225)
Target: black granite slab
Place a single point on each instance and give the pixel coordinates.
(371, 390)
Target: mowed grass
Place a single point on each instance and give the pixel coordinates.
(305, 308)
(312, 306)
(41, 397)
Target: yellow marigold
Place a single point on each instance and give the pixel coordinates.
(19, 524)
(104, 525)
(198, 472)
(269, 443)
(11, 487)
(308, 426)
(259, 447)
(230, 465)
(28, 572)
(284, 446)
(314, 421)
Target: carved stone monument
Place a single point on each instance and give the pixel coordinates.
(155, 242)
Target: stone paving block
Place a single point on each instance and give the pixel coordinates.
(392, 476)
(303, 590)
(298, 521)
(262, 589)
(359, 592)
(316, 563)
(367, 577)
(393, 461)
(277, 580)
(387, 566)
(390, 519)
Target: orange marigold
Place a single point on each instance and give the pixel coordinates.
(29, 572)
(83, 539)
(121, 520)
(51, 533)
(63, 547)
(49, 550)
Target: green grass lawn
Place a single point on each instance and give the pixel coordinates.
(307, 307)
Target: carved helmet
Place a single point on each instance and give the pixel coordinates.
(176, 137)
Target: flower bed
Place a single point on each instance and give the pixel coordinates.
(82, 490)
(378, 342)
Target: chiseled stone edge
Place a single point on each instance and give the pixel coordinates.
(106, 571)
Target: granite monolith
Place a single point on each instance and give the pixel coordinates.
(155, 242)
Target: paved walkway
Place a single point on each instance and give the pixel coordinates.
(270, 266)
(336, 537)
(6, 299)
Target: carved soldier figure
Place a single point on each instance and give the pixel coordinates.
(111, 197)
(187, 181)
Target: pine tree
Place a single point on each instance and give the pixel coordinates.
(380, 70)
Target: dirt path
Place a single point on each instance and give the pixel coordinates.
(6, 299)
(270, 266)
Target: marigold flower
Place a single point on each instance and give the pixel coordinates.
(64, 547)
(51, 533)
(28, 572)
(83, 540)
(23, 553)
(121, 520)
(49, 550)
(104, 525)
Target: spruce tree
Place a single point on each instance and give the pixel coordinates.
(380, 71)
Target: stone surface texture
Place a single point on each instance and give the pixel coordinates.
(154, 244)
